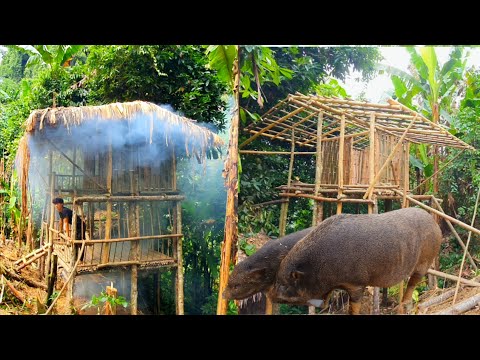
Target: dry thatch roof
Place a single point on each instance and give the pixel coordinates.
(300, 112)
(197, 139)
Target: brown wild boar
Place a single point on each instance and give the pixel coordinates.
(356, 251)
(257, 272)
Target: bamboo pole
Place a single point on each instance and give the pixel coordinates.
(284, 206)
(371, 156)
(453, 277)
(461, 307)
(318, 168)
(445, 216)
(466, 246)
(231, 214)
(52, 218)
(73, 171)
(279, 121)
(108, 223)
(134, 290)
(326, 199)
(406, 174)
(436, 300)
(180, 295)
(129, 198)
(385, 164)
(258, 152)
(340, 163)
(133, 238)
(52, 279)
(454, 232)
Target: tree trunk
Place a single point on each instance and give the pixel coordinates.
(231, 219)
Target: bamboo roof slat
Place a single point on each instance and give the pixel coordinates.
(392, 118)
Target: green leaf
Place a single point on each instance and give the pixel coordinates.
(430, 59)
(415, 162)
(221, 58)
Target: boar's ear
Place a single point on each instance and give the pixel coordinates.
(295, 274)
(258, 272)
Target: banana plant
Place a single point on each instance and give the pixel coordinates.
(429, 89)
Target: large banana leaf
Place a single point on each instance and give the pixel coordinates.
(221, 58)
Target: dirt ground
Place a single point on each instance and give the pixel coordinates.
(35, 297)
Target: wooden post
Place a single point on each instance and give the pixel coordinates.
(341, 150)
(52, 219)
(52, 279)
(284, 206)
(111, 309)
(158, 292)
(74, 188)
(318, 205)
(231, 183)
(373, 209)
(179, 288)
(388, 204)
(133, 232)
(108, 223)
(134, 290)
(371, 156)
(406, 174)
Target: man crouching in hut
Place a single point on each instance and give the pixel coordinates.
(65, 222)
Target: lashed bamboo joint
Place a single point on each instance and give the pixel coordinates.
(115, 167)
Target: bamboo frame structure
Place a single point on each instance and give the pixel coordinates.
(361, 148)
(131, 206)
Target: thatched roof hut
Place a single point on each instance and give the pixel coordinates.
(197, 139)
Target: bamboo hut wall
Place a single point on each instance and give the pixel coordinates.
(356, 162)
(153, 177)
(155, 219)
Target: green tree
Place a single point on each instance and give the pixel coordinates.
(176, 75)
(429, 89)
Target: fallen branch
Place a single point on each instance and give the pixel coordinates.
(3, 289)
(28, 281)
(436, 300)
(453, 277)
(461, 307)
(17, 294)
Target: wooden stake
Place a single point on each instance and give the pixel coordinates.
(340, 163)
(368, 194)
(111, 309)
(52, 217)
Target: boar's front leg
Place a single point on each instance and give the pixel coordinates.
(356, 294)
